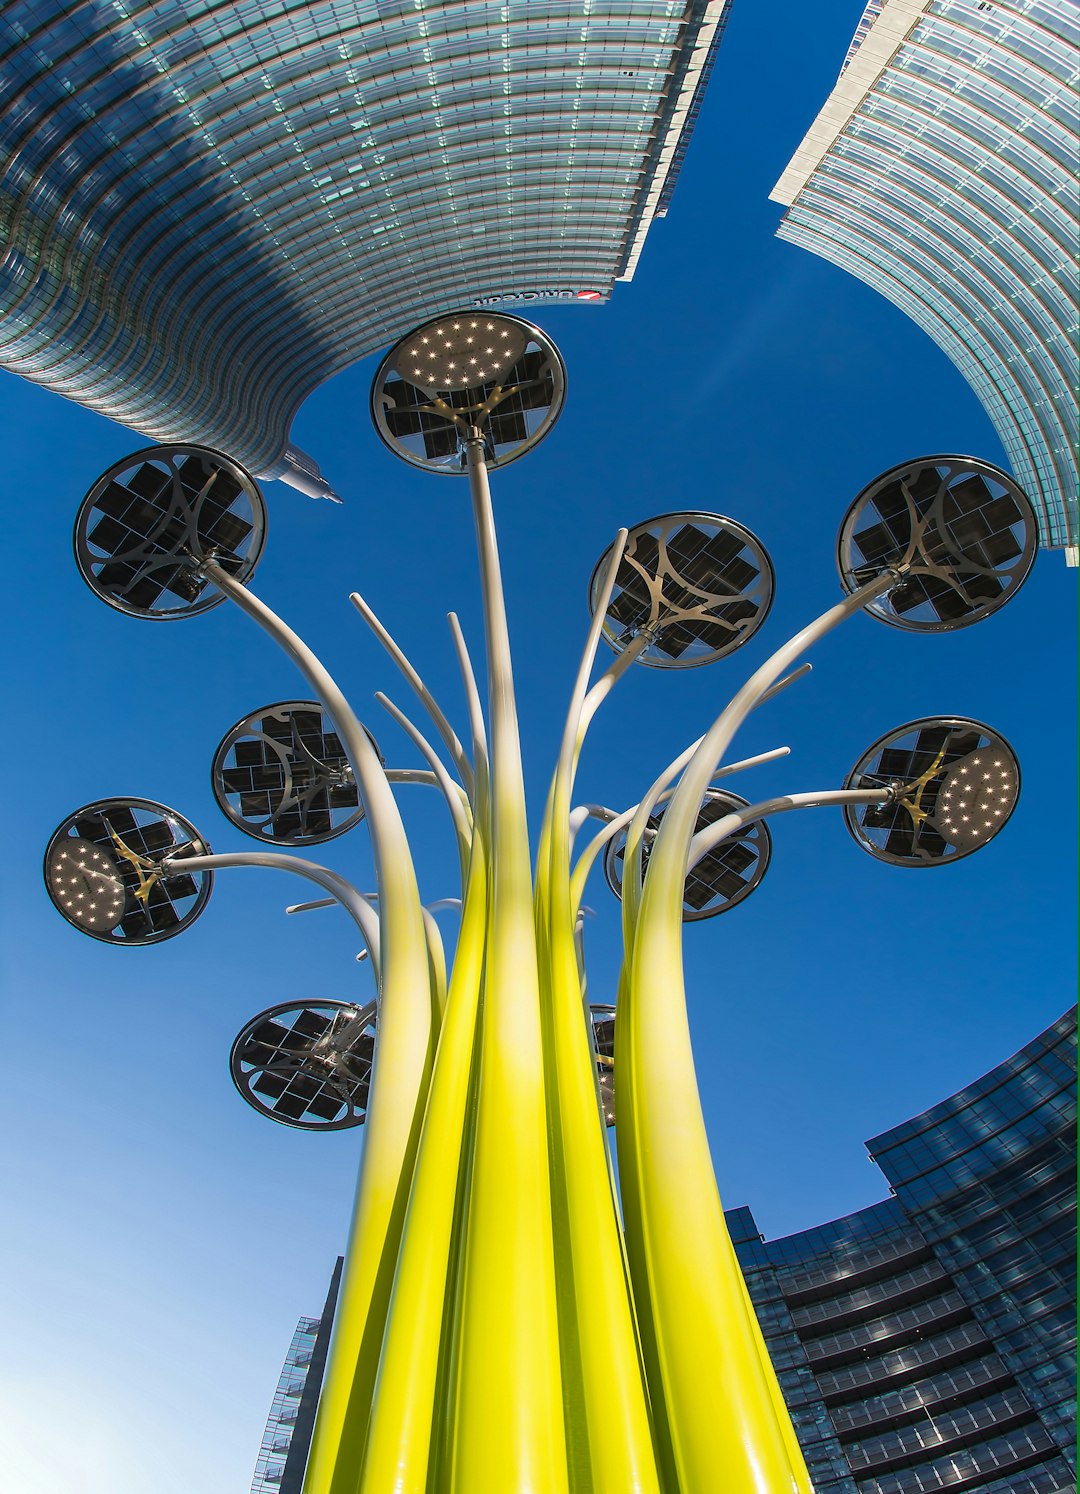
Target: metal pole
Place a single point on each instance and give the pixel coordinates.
(343, 892)
(509, 1430)
(704, 841)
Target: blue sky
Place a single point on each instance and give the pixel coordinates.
(162, 1237)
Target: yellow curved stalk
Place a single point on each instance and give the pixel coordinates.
(733, 1436)
(720, 1408)
(609, 1434)
(436, 972)
(508, 1409)
(399, 1078)
(496, 1331)
(615, 1438)
(399, 1446)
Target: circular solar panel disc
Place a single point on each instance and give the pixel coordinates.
(486, 370)
(696, 584)
(282, 775)
(307, 1064)
(144, 526)
(956, 784)
(963, 533)
(103, 871)
(724, 876)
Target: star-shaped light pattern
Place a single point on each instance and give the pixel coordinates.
(87, 884)
(308, 1064)
(977, 796)
(463, 352)
(697, 585)
(728, 874)
(112, 869)
(960, 530)
(493, 373)
(144, 525)
(954, 783)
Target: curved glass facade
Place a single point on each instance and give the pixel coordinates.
(286, 1441)
(941, 172)
(928, 1342)
(209, 208)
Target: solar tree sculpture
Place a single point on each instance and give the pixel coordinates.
(500, 1327)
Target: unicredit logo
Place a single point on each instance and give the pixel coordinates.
(539, 295)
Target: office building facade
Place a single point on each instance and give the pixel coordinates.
(941, 171)
(287, 1439)
(209, 209)
(929, 1342)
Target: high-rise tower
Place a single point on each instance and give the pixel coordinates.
(929, 1342)
(209, 209)
(287, 1438)
(941, 170)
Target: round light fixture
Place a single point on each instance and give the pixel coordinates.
(307, 1064)
(104, 871)
(695, 584)
(282, 775)
(955, 783)
(961, 532)
(151, 518)
(471, 370)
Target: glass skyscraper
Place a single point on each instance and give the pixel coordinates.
(210, 208)
(929, 1342)
(941, 171)
(287, 1438)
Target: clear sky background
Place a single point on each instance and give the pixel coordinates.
(161, 1238)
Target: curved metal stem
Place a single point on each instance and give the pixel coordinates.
(344, 894)
(688, 795)
(430, 704)
(508, 1377)
(576, 721)
(456, 799)
(675, 1223)
(611, 675)
(704, 841)
(472, 694)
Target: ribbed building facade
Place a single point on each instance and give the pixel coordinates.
(286, 1441)
(928, 1343)
(941, 171)
(210, 208)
